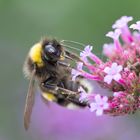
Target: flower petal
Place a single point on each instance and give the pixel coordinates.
(119, 68)
(79, 65)
(99, 112)
(117, 77)
(83, 97)
(105, 98)
(114, 65)
(106, 106)
(136, 26)
(108, 79)
(114, 35)
(74, 73)
(93, 107)
(98, 99)
(107, 69)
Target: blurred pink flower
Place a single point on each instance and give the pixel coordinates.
(136, 26)
(83, 94)
(122, 24)
(123, 21)
(114, 35)
(99, 105)
(77, 72)
(109, 50)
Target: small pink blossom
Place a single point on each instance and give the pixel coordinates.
(83, 94)
(123, 21)
(99, 105)
(79, 66)
(87, 52)
(77, 72)
(136, 26)
(114, 35)
(122, 24)
(113, 73)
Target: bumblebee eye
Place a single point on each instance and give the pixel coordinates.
(50, 49)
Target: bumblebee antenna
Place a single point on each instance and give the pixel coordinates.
(67, 46)
(74, 42)
(64, 43)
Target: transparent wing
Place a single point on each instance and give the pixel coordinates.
(29, 102)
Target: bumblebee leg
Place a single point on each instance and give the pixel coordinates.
(76, 101)
(70, 90)
(50, 83)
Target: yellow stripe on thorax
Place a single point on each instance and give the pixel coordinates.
(49, 96)
(35, 54)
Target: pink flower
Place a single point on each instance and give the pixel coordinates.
(77, 72)
(123, 21)
(122, 24)
(113, 73)
(99, 105)
(136, 26)
(87, 52)
(79, 66)
(83, 95)
(114, 35)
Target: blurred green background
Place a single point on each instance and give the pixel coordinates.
(23, 23)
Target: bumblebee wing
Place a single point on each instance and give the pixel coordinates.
(29, 101)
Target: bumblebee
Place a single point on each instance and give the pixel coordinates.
(48, 66)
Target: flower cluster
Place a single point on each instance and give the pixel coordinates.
(120, 73)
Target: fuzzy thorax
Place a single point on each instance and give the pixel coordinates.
(35, 54)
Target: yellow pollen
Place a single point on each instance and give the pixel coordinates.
(49, 96)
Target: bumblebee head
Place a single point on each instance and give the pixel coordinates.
(52, 50)
(46, 50)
